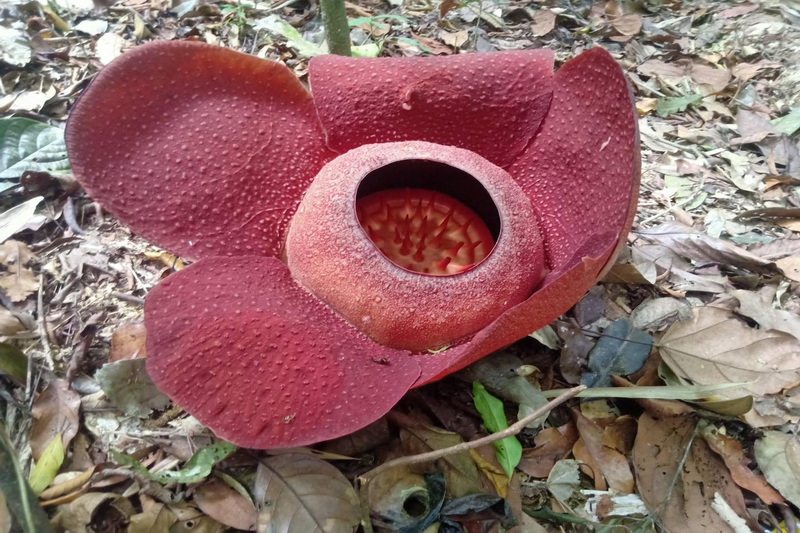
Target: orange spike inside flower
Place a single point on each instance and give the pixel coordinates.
(425, 231)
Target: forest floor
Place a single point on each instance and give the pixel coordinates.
(707, 292)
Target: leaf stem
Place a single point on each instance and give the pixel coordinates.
(337, 31)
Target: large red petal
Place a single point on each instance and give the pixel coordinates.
(491, 104)
(238, 344)
(582, 174)
(203, 150)
(582, 170)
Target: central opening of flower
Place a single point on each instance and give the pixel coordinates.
(428, 217)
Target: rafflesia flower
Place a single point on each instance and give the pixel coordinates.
(411, 217)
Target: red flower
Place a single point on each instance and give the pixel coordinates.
(343, 241)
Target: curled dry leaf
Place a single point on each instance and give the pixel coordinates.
(609, 468)
(718, 347)
(298, 492)
(552, 445)
(460, 471)
(730, 450)
(55, 411)
(544, 21)
(778, 456)
(128, 342)
(679, 487)
(226, 505)
(689, 243)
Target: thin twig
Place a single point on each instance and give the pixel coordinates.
(43, 333)
(128, 298)
(510, 431)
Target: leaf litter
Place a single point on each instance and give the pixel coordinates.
(709, 284)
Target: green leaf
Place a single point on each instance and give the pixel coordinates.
(509, 450)
(20, 499)
(29, 145)
(668, 106)
(276, 25)
(790, 123)
(196, 469)
(46, 469)
(13, 362)
(366, 50)
(621, 350)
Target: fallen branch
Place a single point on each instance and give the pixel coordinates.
(510, 431)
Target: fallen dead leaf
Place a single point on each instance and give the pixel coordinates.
(691, 244)
(732, 453)
(717, 347)
(607, 464)
(758, 306)
(297, 492)
(790, 267)
(778, 456)
(128, 342)
(226, 505)
(680, 487)
(628, 25)
(544, 21)
(18, 281)
(552, 445)
(461, 473)
(55, 411)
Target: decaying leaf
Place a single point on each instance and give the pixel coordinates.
(678, 487)
(700, 247)
(544, 21)
(128, 342)
(459, 469)
(552, 445)
(13, 363)
(225, 505)
(732, 453)
(128, 385)
(564, 479)
(55, 412)
(76, 516)
(622, 350)
(17, 280)
(156, 517)
(758, 306)
(607, 466)
(298, 492)
(778, 456)
(718, 347)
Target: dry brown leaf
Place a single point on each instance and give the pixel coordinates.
(298, 492)
(544, 21)
(460, 471)
(689, 243)
(17, 281)
(680, 492)
(55, 411)
(128, 342)
(746, 71)
(60, 488)
(552, 445)
(790, 267)
(717, 347)
(455, 39)
(9, 324)
(226, 505)
(607, 464)
(628, 25)
(737, 10)
(732, 453)
(758, 306)
(716, 78)
(620, 434)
